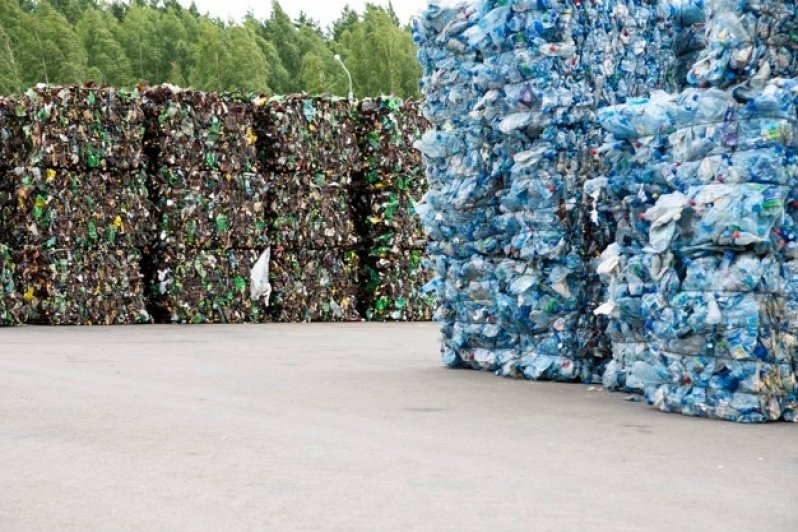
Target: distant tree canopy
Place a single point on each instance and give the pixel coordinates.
(124, 43)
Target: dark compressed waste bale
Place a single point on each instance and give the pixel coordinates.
(204, 286)
(211, 210)
(11, 141)
(59, 208)
(391, 286)
(86, 127)
(74, 204)
(194, 130)
(388, 219)
(385, 191)
(306, 134)
(314, 285)
(310, 213)
(211, 206)
(97, 286)
(11, 305)
(387, 128)
(391, 178)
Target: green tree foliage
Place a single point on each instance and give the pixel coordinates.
(247, 71)
(124, 42)
(52, 50)
(345, 21)
(380, 54)
(107, 61)
(280, 30)
(142, 43)
(14, 58)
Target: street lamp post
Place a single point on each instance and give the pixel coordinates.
(351, 90)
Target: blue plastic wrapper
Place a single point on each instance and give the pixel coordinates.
(699, 305)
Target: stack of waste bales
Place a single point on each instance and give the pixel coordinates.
(385, 190)
(625, 189)
(623, 50)
(211, 207)
(308, 150)
(637, 152)
(10, 301)
(747, 44)
(711, 228)
(709, 279)
(75, 207)
(460, 211)
(9, 295)
(513, 89)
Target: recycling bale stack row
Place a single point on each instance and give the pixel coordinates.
(703, 274)
(460, 211)
(10, 300)
(210, 201)
(385, 191)
(623, 190)
(75, 207)
(308, 149)
(631, 50)
(710, 279)
(513, 89)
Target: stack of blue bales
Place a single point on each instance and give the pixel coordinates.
(701, 269)
(513, 88)
(626, 189)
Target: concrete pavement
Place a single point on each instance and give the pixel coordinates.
(352, 427)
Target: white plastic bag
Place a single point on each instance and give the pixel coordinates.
(260, 287)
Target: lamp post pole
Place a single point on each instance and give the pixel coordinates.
(351, 90)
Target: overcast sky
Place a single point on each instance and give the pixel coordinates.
(323, 10)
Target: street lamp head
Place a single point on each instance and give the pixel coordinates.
(337, 57)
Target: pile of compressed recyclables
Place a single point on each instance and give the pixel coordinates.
(623, 191)
(308, 150)
(10, 301)
(512, 90)
(186, 204)
(210, 200)
(573, 188)
(385, 190)
(74, 207)
(702, 272)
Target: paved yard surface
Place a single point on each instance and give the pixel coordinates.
(351, 427)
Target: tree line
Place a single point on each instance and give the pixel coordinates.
(125, 43)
